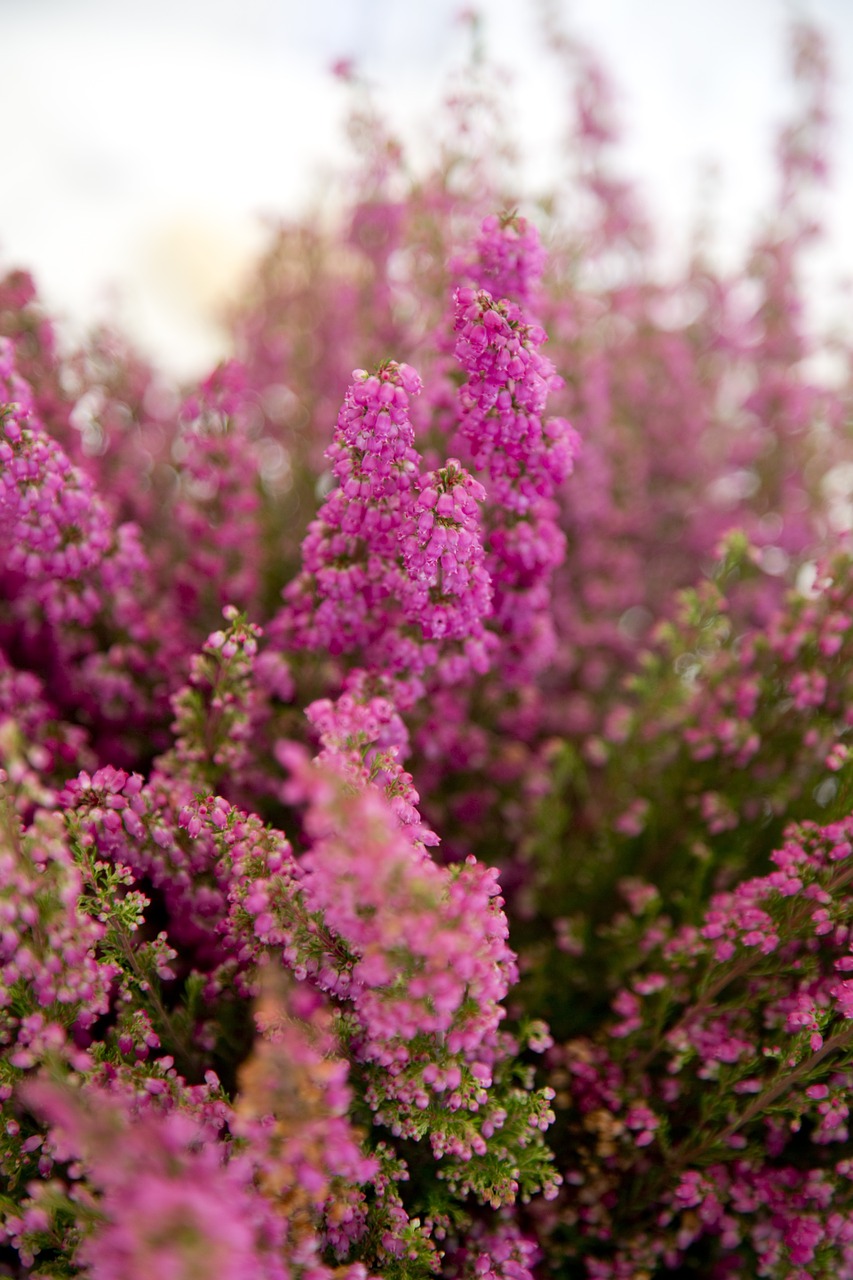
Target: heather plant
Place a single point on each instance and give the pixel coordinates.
(425, 776)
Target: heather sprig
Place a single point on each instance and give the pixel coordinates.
(713, 1004)
(219, 513)
(56, 533)
(393, 565)
(352, 579)
(213, 711)
(525, 456)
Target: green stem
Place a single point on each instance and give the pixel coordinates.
(782, 1084)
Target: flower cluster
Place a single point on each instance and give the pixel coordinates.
(777, 1043)
(56, 533)
(393, 564)
(504, 399)
(351, 576)
(169, 1198)
(509, 259)
(218, 512)
(416, 865)
(525, 456)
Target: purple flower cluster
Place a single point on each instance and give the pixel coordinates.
(218, 513)
(509, 259)
(525, 456)
(393, 564)
(351, 580)
(449, 591)
(504, 399)
(418, 950)
(55, 531)
(326, 778)
(170, 1198)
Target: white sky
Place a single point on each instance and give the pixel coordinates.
(142, 142)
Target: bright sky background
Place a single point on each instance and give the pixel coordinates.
(144, 141)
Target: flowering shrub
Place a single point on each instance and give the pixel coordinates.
(426, 826)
